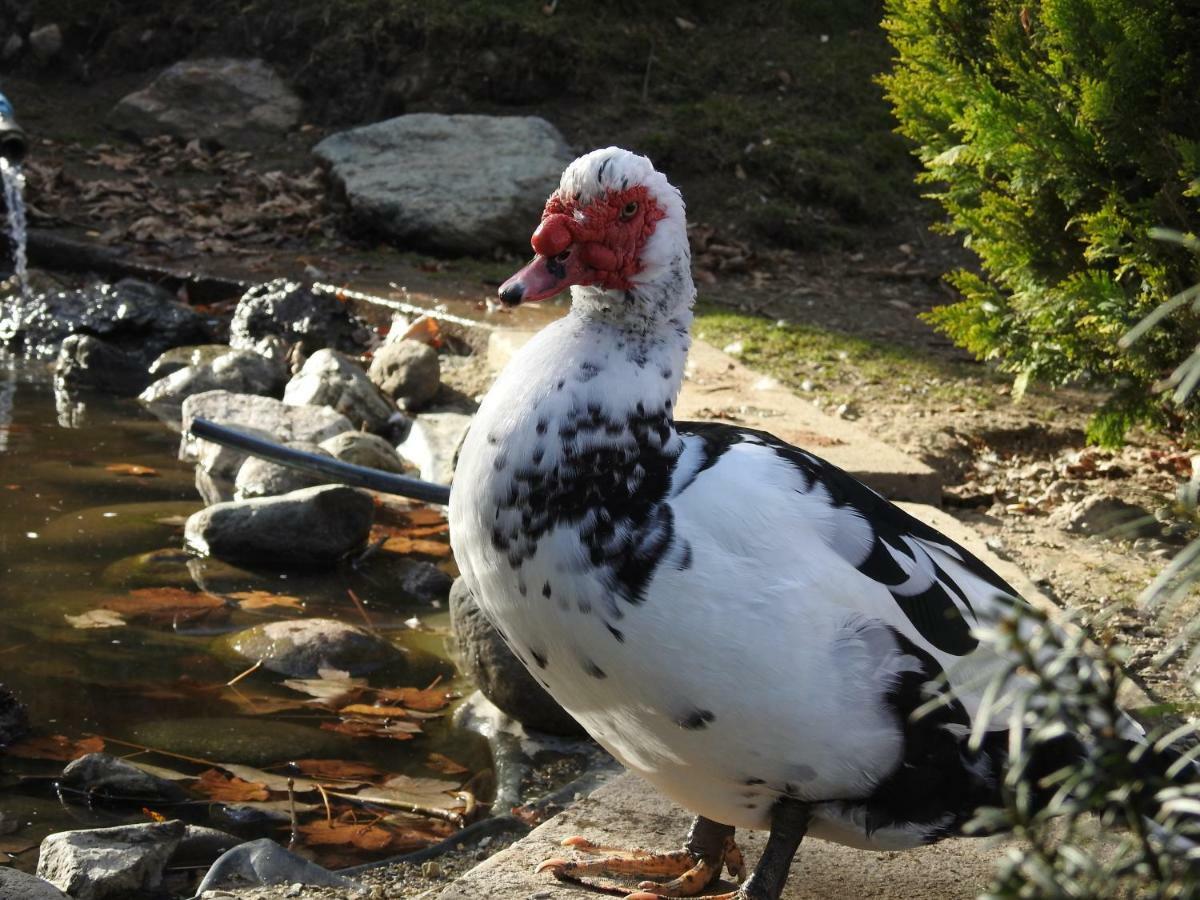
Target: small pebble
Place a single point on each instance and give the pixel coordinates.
(431, 869)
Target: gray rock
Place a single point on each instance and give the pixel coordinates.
(500, 676)
(293, 313)
(14, 721)
(11, 49)
(180, 357)
(302, 647)
(306, 528)
(18, 885)
(109, 862)
(433, 443)
(139, 318)
(263, 478)
(331, 379)
(202, 845)
(1106, 516)
(264, 862)
(263, 416)
(459, 184)
(407, 371)
(363, 449)
(46, 42)
(237, 371)
(238, 103)
(425, 581)
(89, 363)
(251, 741)
(99, 773)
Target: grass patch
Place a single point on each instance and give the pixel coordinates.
(841, 368)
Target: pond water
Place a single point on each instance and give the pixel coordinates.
(73, 524)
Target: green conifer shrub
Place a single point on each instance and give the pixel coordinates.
(1056, 134)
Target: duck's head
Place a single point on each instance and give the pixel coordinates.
(615, 224)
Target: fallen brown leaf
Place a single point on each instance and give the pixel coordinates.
(439, 762)
(169, 606)
(132, 469)
(54, 746)
(426, 700)
(365, 837)
(338, 769)
(265, 600)
(216, 786)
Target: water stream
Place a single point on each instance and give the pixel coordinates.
(14, 204)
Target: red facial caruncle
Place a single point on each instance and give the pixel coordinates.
(599, 244)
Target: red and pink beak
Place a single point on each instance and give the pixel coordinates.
(560, 262)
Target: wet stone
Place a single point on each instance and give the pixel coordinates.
(308, 528)
(99, 532)
(138, 318)
(18, 885)
(181, 357)
(249, 741)
(433, 443)
(407, 371)
(173, 567)
(363, 449)
(302, 647)
(263, 478)
(109, 862)
(238, 371)
(100, 773)
(329, 378)
(86, 362)
(294, 313)
(500, 676)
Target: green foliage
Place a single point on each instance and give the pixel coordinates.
(1057, 134)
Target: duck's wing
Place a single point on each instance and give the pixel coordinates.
(909, 575)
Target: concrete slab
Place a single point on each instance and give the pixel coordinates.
(718, 387)
(627, 812)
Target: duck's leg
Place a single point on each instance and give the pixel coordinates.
(709, 846)
(789, 823)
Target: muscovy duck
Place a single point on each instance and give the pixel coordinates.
(738, 621)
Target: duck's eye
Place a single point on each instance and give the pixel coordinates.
(630, 208)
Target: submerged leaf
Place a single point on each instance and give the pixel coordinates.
(54, 746)
(216, 786)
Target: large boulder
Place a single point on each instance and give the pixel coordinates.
(306, 528)
(459, 184)
(238, 103)
(407, 371)
(138, 318)
(329, 378)
(292, 312)
(109, 862)
(487, 660)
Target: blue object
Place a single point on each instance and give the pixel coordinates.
(13, 143)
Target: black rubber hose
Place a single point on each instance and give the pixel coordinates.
(342, 472)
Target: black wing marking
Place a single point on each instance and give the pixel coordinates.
(925, 593)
